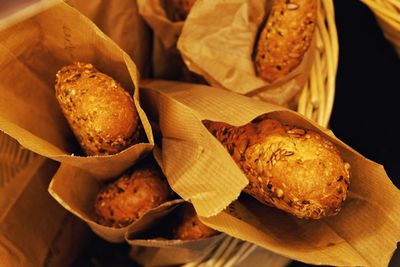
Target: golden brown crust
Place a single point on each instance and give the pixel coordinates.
(99, 111)
(125, 200)
(285, 38)
(293, 169)
(189, 227)
(178, 10)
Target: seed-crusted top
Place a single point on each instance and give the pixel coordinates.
(127, 199)
(293, 169)
(285, 38)
(100, 112)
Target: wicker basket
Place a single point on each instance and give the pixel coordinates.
(387, 13)
(316, 98)
(234, 252)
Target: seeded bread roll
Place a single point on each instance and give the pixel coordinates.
(178, 10)
(285, 38)
(99, 111)
(127, 199)
(189, 227)
(292, 169)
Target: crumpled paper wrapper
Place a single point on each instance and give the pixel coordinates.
(217, 42)
(153, 246)
(162, 252)
(167, 62)
(76, 189)
(120, 20)
(154, 13)
(31, 53)
(199, 169)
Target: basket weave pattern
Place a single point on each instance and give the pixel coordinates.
(316, 98)
(387, 13)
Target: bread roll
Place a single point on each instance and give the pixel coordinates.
(127, 199)
(290, 168)
(285, 38)
(189, 227)
(178, 10)
(99, 111)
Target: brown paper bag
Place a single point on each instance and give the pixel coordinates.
(164, 29)
(199, 169)
(76, 189)
(217, 42)
(161, 252)
(31, 52)
(34, 229)
(12, 12)
(167, 62)
(121, 21)
(153, 246)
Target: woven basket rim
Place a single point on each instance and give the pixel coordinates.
(387, 13)
(317, 97)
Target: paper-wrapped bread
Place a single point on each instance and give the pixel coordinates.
(293, 169)
(285, 38)
(100, 112)
(178, 10)
(127, 199)
(189, 227)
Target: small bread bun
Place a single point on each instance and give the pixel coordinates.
(189, 227)
(99, 111)
(178, 10)
(127, 199)
(285, 38)
(290, 168)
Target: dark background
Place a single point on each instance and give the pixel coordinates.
(366, 106)
(364, 114)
